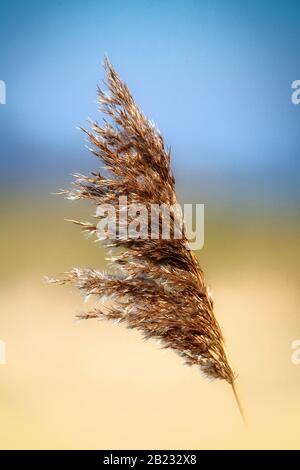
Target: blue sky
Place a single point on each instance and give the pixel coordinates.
(214, 75)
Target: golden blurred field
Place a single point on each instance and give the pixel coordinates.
(95, 385)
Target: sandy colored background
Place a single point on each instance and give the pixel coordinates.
(97, 385)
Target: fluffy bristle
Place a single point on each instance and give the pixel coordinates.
(157, 285)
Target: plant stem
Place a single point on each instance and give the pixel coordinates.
(238, 401)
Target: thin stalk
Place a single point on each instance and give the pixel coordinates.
(238, 401)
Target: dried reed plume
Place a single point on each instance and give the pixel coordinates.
(157, 285)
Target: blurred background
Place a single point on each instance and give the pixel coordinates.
(216, 78)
